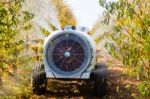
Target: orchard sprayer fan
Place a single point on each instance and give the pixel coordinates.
(69, 54)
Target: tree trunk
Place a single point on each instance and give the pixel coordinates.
(1, 83)
(15, 72)
(15, 65)
(27, 43)
(37, 54)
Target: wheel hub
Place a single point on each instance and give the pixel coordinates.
(67, 54)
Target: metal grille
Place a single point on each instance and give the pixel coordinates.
(68, 55)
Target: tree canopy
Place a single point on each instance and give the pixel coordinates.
(16, 39)
(129, 21)
(65, 15)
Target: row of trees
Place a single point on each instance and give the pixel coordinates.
(14, 23)
(65, 15)
(129, 36)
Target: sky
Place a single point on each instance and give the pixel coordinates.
(87, 12)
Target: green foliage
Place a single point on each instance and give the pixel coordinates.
(130, 32)
(129, 35)
(143, 88)
(65, 15)
(12, 22)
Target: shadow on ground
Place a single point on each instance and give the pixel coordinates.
(118, 87)
(69, 89)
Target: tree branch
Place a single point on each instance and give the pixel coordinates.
(5, 69)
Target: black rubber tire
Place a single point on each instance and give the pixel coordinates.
(99, 76)
(38, 79)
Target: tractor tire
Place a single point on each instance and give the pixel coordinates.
(38, 79)
(99, 76)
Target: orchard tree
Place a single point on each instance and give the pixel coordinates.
(65, 15)
(130, 34)
(12, 22)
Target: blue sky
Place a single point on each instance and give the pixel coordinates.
(86, 12)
